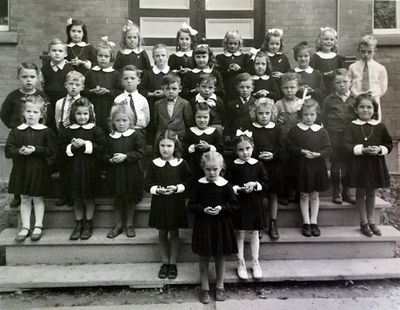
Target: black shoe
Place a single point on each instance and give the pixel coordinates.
(172, 271)
(219, 294)
(15, 202)
(315, 230)
(375, 230)
(365, 230)
(306, 231)
(338, 200)
(62, 201)
(130, 232)
(273, 230)
(204, 297)
(87, 230)
(283, 201)
(164, 270)
(349, 199)
(76, 233)
(117, 230)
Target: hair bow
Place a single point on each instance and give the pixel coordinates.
(323, 29)
(69, 21)
(246, 133)
(202, 45)
(127, 26)
(192, 31)
(303, 98)
(110, 43)
(276, 30)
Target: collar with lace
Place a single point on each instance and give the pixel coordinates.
(80, 44)
(97, 68)
(198, 132)
(219, 182)
(262, 77)
(200, 98)
(159, 162)
(270, 125)
(127, 51)
(227, 54)
(58, 66)
(117, 135)
(308, 70)
(251, 161)
(86, 126)
(305, 127)
(272, 54)
(157, 71)
(181, 54)
(206, 70)
(329, 55)
(372, 122)
(36, 127)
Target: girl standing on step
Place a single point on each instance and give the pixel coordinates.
(166, 180)
(213, 202)
(83, 142)
(124, 151)
(367, 140)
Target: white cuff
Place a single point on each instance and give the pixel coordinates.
(192, 149)
(384, 150)
(181, 188)
(358, 149)
(87, 64)
(69, 150)
(258, 187)
(213, 148)
(88, 147)
(153, 190)
(235, 189)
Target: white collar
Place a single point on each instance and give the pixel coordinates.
(161, 162)
(181, 54)
(238, 53)
(74, 98)
(202, 99)
(198, 132)
(263, 77)
(135, 93)
(251, 161)
(219, 182)
(372, 122)
(86, 126)
(80, 44)
(329, 55)
(97, 68)
(270, 125)
(272, 54)
(117, 135)
(36, 127)
(127, 51)
(305, 127)
(157, 71)
(308, 70)
(206, 70)
(59, 66)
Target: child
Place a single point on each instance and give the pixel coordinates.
(326, 58)
(172, 112)
(368, 141)
(213, 202)
(30, 145)
(200, 139)
(232, 62)
(264, 85)
(269, 149)
(124, 150)
(11, 108)
(131, 52)
(249, 180)
(309, 145)
(238, 108)
(81, 55)
(103, 83)
(204, 63)
(130, 79)
(166, 181)
(83, 143)
(207, 87)
(338, 112)
(366, 74)
(311, 79)
(182, 60)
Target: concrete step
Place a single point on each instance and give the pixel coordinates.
(330, 214)
(337, 242)
(145, 275)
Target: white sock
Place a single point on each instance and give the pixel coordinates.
(254, 245)
(39, 211)
(240, 244)
(25, 210)
(314, 205)
(305, 206)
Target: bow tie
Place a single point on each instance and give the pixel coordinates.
(246, 133)
(210, 102)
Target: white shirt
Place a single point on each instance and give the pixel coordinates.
(67, 108)
(141, 107)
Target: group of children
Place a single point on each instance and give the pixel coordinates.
(281, 124)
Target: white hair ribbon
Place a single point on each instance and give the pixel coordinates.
(192, 31)
(128, 25)
(110, 43)
(246, 133)
(323, 29)
(276, 30)
(69, 21)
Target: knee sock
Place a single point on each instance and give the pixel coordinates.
(89, 208)
(219, 271)
(240, 244)
(314, 206)
(370, 205)
(305, 206)
(254, 245)
(39, 211)
(203, 266)
(25, 210)
(163, 245)
(273, 205)
(360, 202)
(174, 239)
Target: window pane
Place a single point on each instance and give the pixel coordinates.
(385, 14)
(3, 12)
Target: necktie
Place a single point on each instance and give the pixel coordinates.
(132, 104)
(66, 121)
(365, 79)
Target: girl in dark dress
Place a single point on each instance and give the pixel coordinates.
(309, 146)
(249, 180)
(166, 180)
(124, 150)
(367, 140)
(213, 202)
(83, 143)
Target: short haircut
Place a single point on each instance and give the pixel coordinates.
(170, 78)
(82, 102)
(308, 104)
(56, 41)
(37, 100)
(290, 76)
(120, 109)
(159, 46)
(340, 72)
(302, 46)
(212, 156)
(131, 68)
(75, 76)
(368, 40)
(262, 103)
(207, 78)
(243, 77)
(233, 35)
(202, 106)
(27, 65)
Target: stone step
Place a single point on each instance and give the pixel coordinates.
(337, 242)
(145, 275)
(330, 214)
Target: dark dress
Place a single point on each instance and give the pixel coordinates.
(83, 167)
(217, 108)
(268, 83)
(366, 171)
(180, 60)
(237, 115)
(139, 60)
(191, 79)
(314, 80)
(213, 235)
(250, 215)
(279, 62)
(168, 212)
(125, 179)
(30, 175)
(269, 138)
(308, 175)
(87, 52)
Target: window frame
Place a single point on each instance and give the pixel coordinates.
(388, 31)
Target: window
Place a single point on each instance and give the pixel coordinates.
(386, 16)
(4, 15)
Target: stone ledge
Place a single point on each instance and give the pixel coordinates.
(8, 37)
